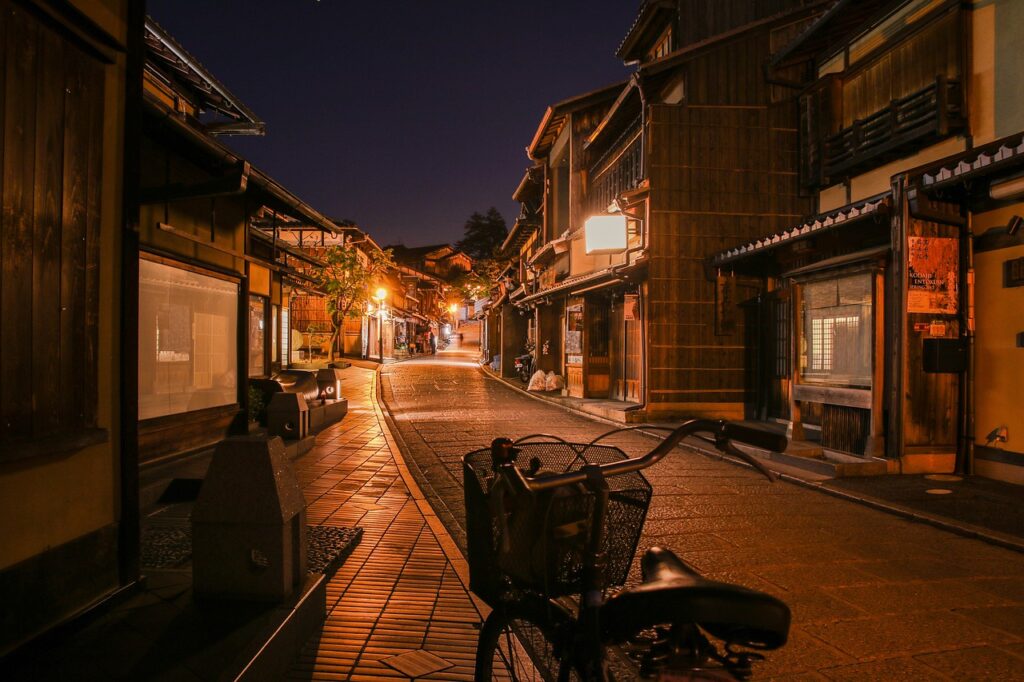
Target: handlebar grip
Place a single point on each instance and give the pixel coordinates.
(759, 438)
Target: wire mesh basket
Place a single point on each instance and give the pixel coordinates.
(546, 533)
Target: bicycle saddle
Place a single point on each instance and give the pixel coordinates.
(673, 592)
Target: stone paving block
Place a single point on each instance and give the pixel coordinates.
(887, 636)
(981, 664)
(890, 670)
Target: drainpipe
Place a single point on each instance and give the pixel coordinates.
(966, 465)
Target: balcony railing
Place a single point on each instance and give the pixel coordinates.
(931, 113)
(618, 170)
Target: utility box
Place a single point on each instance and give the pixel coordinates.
(329, 383)
(288, 416)
(249, 524)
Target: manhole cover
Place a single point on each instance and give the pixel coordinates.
(938, 491)
(949, 478)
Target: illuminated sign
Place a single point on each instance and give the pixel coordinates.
(605, 234)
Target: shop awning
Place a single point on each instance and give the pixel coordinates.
(873, 208)
(587, 282)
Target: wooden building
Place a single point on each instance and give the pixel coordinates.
(866, 310)
(68, 167)
(212, 269)
(684, 153)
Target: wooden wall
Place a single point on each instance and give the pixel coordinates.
(52, 122)
(700, 19)
(722, 170)
(911, 66)
(66, 518)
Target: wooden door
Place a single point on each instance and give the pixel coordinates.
(596, 346)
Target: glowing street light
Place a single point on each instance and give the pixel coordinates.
(379, 296)
(453, 308)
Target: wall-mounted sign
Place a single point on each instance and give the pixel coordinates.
(631, 307)
(1013, 273)
(725, 304)
(605, 234)
(933, 264)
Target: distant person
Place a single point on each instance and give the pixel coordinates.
(433, 342)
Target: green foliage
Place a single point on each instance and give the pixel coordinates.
(484, 233)
(256, 404)
(347, 280)
(478, 282)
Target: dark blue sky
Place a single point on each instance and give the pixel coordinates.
(405, 116)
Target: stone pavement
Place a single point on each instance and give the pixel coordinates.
(874, 596)
(400, 593)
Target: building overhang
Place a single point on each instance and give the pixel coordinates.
(579, 284)
(759, 257)
(971, 175)
(171, 63)
(556, 115)
(652, 19)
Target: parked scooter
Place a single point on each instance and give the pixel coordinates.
(524, 365)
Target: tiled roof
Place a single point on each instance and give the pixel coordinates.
(981, 160)
(825, 221)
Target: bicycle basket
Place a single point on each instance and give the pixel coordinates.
(547, 531)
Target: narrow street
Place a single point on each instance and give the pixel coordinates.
(873, 596)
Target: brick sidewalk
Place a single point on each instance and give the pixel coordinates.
(399, 591)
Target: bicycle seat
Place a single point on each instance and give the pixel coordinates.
(673, 592)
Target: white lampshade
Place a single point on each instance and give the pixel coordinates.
(604, 234)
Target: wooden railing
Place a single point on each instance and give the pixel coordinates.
(620, 169)
(933, 112)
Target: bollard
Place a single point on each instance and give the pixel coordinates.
(288, 416)
(249, 524)
(329, 383)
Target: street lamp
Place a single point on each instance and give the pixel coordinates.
(379, 296)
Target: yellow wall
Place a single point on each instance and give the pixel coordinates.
(50, 500)
(999, 364)
(997, 68)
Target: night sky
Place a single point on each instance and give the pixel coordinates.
(404, 116)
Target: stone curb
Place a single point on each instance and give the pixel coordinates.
(444, 538)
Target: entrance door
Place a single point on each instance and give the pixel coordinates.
(596, 351)
(776, 358)
(624, 346)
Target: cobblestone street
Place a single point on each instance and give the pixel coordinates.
(874, 596)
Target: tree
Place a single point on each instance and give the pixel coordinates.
(478, 282)
(484, 234)
(347, 280)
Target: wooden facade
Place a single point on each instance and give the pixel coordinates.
(888, 96)
(68, 499)
(213, 268)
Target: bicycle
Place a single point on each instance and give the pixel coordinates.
(552, 526)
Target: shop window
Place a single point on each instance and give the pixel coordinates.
(257, 336)
(188, 327)
(837, 339)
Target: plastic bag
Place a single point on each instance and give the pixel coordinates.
(554, 382)
(538, 381)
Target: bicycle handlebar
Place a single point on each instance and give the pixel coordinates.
(502, 453)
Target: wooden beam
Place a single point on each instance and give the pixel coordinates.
(235, 182)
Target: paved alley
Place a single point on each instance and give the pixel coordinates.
(396, 608)
(873, 596)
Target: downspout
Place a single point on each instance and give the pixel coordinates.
(645, 316)
(966, 465)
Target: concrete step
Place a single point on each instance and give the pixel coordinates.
(825, 462)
